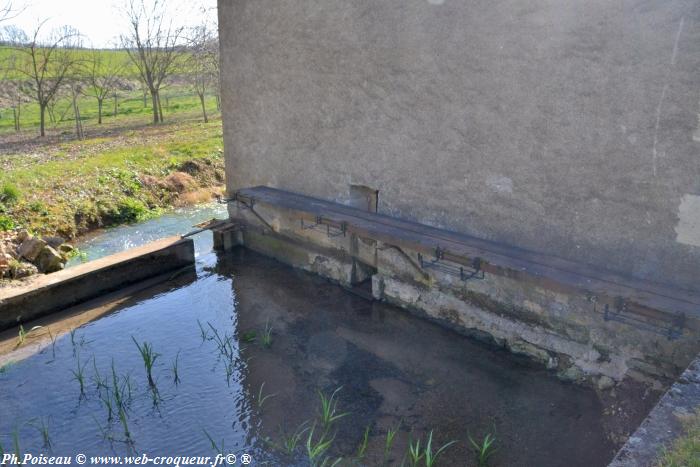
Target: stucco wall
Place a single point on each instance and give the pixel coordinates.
(568, 127)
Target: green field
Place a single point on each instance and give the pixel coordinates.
(76, 186)
(106, 56)
(174, 99)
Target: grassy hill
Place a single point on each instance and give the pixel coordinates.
(107, 57)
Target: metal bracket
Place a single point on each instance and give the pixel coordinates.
(439, 264)
(337, 231)
(313, 226)
(622, 314)
(246, 205)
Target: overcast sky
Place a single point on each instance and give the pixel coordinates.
(100, 21)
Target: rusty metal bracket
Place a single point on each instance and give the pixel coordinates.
(341, 230)
(671, 329)
(313, 226)
(333, 229)
(474, 271)
(249, 204)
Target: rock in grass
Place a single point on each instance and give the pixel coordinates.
(30, 248)
(4, 265)
(20, 269)
(54, 242)
(605, 383)
(49, 260)
(22, 236)
(66, 249)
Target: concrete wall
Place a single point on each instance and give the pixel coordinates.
(562, 126)
(45, 294)
(565, 329)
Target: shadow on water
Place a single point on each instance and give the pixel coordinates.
(254, 342)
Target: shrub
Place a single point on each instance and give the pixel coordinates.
(131, 210)
(9, 194)
(6, 223)
(38, 207)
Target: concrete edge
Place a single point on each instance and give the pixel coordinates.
(57, 291)
(664, 423)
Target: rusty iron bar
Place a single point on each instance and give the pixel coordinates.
(623, 315)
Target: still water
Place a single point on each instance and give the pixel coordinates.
(256, 344)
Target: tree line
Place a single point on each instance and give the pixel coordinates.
(43, 65)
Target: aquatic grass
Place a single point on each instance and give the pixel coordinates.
(362, 448)
(291, 442)
(415, 452)
(15, 442)
(43, 427)
(316, 449)
(430, 457)
(327, 462)
(484, 449)
(53, 343)
(266, 338)
(389, 442)
(6, 367)
(224, 344)
(204, 333)
(75, 344)
(72, 339)
(121, 389)
(249, 337)
(79, 375)
(329, 408)
(22, 336)
(262, 398)
(103, 431)
(155, 396)
(96, 378)
(174, 369)
(218, 449)
(106, 399)
(125, 425)
(230, 367)
(149, 357)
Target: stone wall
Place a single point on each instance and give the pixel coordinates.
(566, 330)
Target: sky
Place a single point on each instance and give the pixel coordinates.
(100, 21)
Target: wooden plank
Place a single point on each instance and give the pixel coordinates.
(543, 270)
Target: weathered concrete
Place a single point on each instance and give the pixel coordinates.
(664, 423)
(532, 304)
(568, 127)
(45, 294)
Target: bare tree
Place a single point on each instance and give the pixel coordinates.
(202, 62)
(10, 86)
(9, 10)
(153, 45)
(76, 89)
(103, 72)
(46, 63)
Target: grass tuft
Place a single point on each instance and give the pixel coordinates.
(685, 451)
(79, 376)
(149, 357)
(315, 449)
(266, 338)
(174, 369)
(262, 398)
(329, 408)
(483, 449)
